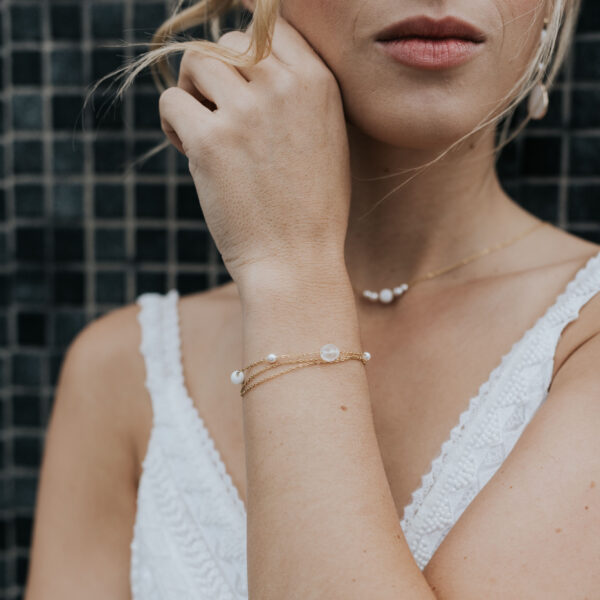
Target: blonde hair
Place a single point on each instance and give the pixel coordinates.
(551, 53)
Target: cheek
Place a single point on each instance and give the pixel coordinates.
(314, 19)
(521, 25)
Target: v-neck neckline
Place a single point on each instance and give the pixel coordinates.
(419, 494)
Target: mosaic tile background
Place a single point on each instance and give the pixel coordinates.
(78, 237)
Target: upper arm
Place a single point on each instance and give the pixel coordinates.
(533, 530)
(86, 496)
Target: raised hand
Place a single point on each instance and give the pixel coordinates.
(271, 162)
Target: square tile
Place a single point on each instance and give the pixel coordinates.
(151, 201)
(27, 112)
(25, 23)
(193, 245)
(29, 200)
(109, 244)
(541, 155)
(68, 202)
(150, 281)
(109, 156)
(26, 410)
(110, 287)
(108, 21)
(147, 17)
(26, 67)
(67, 112)
(69, 244)
(26, 369)
(151, 244)
(30, 243)
(584, 155)
(28, 157)
(69, 288)
(109, 201)
(188, 204)
(67, 67)
(67, 324)
(67, 156)
(31, 328)
(65, 21)
(30, 286)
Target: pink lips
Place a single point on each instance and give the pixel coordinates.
(431, 44)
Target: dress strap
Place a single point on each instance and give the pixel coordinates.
(496, 417)
(157, 348)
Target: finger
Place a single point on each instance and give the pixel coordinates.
(181, 117)
(238, 41)
(289, 45)
(206, 78)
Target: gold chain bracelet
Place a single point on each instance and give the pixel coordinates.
(328, 354)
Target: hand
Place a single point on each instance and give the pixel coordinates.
(271, 163)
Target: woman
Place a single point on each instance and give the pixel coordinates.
(386, 469)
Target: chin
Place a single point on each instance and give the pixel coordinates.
(433, 130)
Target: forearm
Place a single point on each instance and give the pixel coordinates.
(321, 519)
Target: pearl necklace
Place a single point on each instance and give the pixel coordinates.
(386, 295)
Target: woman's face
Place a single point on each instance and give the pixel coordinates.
(409, 106)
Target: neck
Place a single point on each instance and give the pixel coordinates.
(452, 209)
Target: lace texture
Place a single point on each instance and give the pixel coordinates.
(189, 535)
(490, 426)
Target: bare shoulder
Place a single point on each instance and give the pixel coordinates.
(95, 442)
(568, 254)
(89, 453)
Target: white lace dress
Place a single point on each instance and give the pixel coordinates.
(189, 537)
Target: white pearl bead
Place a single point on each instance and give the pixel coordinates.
(370, 295)
(538, 102)
(367, 355)
(329, 352)
(272, 357)
(386, 295)
(237, 377)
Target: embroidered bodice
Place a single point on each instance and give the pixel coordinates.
(189, 537)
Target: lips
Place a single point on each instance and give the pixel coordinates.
(426, 27)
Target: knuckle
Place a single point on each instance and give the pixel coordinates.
(190, 60)
(232, 36)
(285, 82)
(186, 58)
(167, 99)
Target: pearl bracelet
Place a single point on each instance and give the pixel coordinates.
(329, 353)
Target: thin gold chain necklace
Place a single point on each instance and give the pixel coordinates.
(386, 295)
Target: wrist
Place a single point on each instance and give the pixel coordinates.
(260, 284)
(297, 311)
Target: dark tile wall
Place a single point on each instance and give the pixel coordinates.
(79, 235)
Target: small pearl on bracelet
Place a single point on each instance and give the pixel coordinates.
(237, 377)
